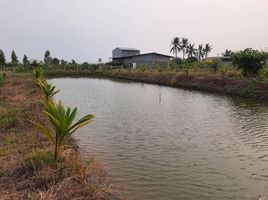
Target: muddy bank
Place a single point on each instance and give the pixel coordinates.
(27, 169)
(244, 87)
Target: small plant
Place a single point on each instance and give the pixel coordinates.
(38, 73)
(48, 90)
(213, 64)
(223, 69)
(62, 124)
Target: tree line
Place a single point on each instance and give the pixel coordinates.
(189, 49)
(48, 60)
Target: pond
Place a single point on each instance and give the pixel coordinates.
(163, 143)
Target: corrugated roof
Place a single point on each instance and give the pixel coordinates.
(127, 49)
(145, 55)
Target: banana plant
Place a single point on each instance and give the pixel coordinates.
(62, 124)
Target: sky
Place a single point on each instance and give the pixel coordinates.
(85, 30)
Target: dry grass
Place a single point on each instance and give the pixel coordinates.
(27, 168)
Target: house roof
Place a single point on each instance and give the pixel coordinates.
(127, 49)
(153, 53)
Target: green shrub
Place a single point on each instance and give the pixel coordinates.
(2, 77)
(212, 63)
(20, 69)
(250, 61)
(264, 71)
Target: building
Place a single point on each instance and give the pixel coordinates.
(124, 52)
(129, 57)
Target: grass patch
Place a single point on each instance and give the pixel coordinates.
(8, 119)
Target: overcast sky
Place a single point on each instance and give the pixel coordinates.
(85, 30)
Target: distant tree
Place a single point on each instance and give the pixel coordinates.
(184, 44)
(55, 61)
(73, 62)
(2, 58)
(190, 50)
(47, 58)
(63, 62)
(207, 50)
(200, 52)
(35, 63)
(227, 53)
(25, 60)
(14, 58)
(175, 46)
(250, 61)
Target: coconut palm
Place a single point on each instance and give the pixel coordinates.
(48, 90)
(184, 44)
(62, 124)
(207, 49)
(175, 46)
(200, 51)
(190, 50)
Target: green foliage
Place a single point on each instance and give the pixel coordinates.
(175, 46)
(2, 58)
(264, 71)
(40, 159)
(250, 61)
(48, 90)
(55, 61)
(14, 58)
(62, 122)
(20, 69)
(38, 73)
(246, 90)
(25, 60)
(223, 69)
(8, 119)
(213, 64)
(47, 58)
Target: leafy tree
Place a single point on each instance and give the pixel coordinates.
(175, 46)
(249, 60)
(14, 58)
(62, 124)
(190, 50)
(55, 61)
(200, 51)
(47, 58)
(73, 62)
(227, 53)
(25, 60)
(207, 50)
(2, 58)
(184, 44)
(63, 62)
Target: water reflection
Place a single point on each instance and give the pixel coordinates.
(163, 143)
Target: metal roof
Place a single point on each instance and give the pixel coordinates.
(145, 55)
(127, 49)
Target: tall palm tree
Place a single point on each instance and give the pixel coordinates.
(200, 51)
(175, 46)
(190, 50)
(184, 44)
(207, 49)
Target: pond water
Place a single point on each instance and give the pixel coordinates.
(162, 143)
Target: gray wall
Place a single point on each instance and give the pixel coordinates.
(117, 53)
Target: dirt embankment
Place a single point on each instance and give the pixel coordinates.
(245, 87)
(27, 169)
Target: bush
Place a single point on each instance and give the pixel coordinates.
(250, 61)
(213, 64)
(263, 72)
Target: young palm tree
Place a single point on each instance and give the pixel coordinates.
(175, 46)
(207, 49)
(190, 50)
(62, 124)
(184, 44)
(200, 52)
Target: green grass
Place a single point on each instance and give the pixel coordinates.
(8, 119)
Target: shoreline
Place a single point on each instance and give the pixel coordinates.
(250, 88)
(27, 170)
